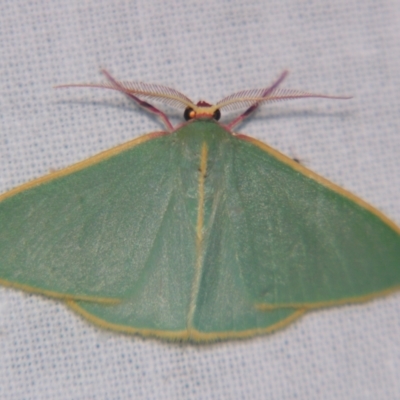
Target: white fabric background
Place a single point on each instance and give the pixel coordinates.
(207, 49)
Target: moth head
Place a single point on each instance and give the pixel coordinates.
(202, 110)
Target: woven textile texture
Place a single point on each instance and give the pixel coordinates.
(207, 50)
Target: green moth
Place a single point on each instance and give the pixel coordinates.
(195, 233)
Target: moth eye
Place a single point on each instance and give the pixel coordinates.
(217, 114)
(189, 113)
